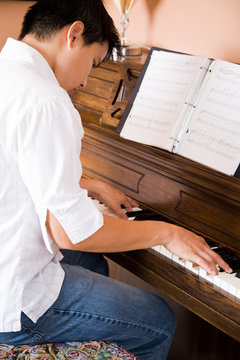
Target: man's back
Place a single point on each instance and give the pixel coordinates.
(25, 260)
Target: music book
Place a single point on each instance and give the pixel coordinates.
(189, 105)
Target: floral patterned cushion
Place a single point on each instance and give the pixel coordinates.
(95, 350)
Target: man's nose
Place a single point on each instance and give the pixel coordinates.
(83, 84)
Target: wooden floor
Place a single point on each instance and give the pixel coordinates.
(195, 339)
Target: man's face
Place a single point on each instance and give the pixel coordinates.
(77, 63)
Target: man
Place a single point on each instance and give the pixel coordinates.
(44, 204)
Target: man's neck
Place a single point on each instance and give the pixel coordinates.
(47, 48)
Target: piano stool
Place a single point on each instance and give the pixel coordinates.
(91, 350)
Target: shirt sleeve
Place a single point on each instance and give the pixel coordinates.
(49, 145)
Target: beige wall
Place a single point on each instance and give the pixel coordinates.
(11, 16)
(206, 27)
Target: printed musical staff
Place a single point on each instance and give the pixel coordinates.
(189, 105)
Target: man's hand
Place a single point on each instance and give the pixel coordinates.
(194, 248)
(109, 196)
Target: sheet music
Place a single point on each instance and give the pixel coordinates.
(159, 102)
(213, 137)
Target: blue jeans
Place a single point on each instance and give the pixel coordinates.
(92, 306)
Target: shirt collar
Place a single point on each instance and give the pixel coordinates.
(16, 50)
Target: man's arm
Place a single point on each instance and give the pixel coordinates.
(118, 235)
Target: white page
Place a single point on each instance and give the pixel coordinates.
(161, 96)
(213, 137)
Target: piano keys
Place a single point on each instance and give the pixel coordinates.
(228, 284)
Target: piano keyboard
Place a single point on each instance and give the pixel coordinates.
(228, 284)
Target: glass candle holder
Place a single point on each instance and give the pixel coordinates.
(125, 7)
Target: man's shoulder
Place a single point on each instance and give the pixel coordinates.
(29, 86)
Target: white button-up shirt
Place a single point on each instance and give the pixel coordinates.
(40, 143)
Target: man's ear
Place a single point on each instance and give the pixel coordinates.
(74, 33)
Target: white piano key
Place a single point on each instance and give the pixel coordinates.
(234, 280)
(157, 248)
(217, 281)
(203, 274)
(194, 268)
(182, 262)
(224, 285)
(232, 290)
(189, 265)
(238, 294)
(169, 254)
(175, 258)
(234, 284)
(165, 252)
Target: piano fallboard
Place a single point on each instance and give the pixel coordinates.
(187, 193)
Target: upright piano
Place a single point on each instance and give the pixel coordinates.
(180, 190)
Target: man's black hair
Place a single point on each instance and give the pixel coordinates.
(46, 17)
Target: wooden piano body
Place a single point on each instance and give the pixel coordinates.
(181, 190)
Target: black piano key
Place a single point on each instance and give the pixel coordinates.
(145, 215)
(235, 267)
(238, 274)
(237, 270)
(211, 244)
(220, 250)
(225, 254)
(138, 212)
(233, 262)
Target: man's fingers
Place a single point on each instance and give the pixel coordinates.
(209, 260)
(205, 262)
(129, 203)
(216, 259)
(222, 263)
